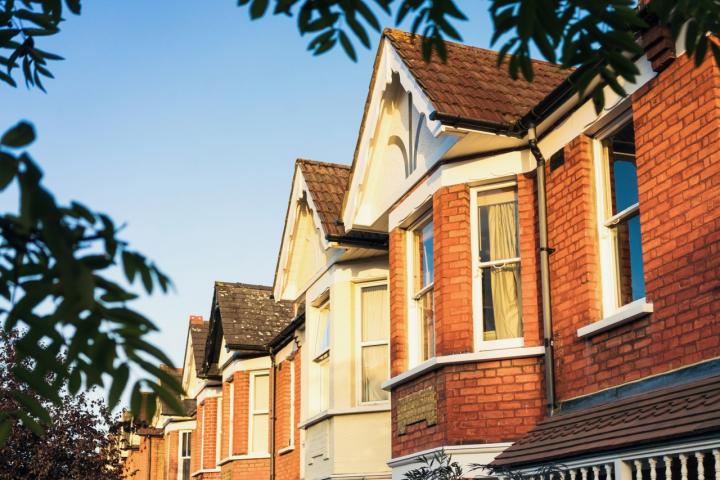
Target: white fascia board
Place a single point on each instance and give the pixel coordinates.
(389, 63)
(584, 119)
(177, 426)
(246, 365)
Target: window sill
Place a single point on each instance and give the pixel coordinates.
(460, 358)
(334, 412)
(631, 311)
(285, 450)
(249, 456)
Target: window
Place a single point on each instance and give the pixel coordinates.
(423, 278)
(231, 416)
(184, 457)
(259, 411)
(620, 238)
(497, 258)
(374, 335)
(321, 356)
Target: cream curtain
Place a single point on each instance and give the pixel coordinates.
(375, 328)
(503, 244)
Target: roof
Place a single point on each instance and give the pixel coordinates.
(470, 85)
(250, 315)
(681, 411)
(199, 333)
(327, 183)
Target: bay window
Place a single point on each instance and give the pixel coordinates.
(496, 289)
(321, 357)
(374, 337)
(422, 289)
(259, 412)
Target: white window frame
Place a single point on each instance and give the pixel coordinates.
(218, 430)
(180, 469)
(252, 412)
(374, 343)
(480, 344)
(413, 317)
(609, 283)
(231, 416)
(318, 357)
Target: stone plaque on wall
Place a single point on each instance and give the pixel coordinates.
(417, 407)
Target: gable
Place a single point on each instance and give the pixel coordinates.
(398, 142)
(304, 249)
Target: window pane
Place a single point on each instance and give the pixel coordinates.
(426, 310)
(186, 469)
(186, 445)
(261, 393)
(424, 269)
(498, 232)
(375, 324)
(260, 433)
(322, 336)
(374, 373)
(631, 281)
(501, 305)
(623, 171)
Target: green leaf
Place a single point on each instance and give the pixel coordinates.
(5, 429)
(258, 8)
(20, 135)
(347, 46)
(74, 6)
(120, 378)
(8, 169)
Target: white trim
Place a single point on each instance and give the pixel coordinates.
(479, 343)
(623, 315)
(218, 429)
(249, 456)
(245, 365)
(180, 456)
(252, 412)
(374, 407)
(204, 470)
(184, 425)
(460, 358)
(285, 450)
(231, 416)
(636, 454)
(209, 392)
(451, 449)
(291, 445)
(361, 476)
(359, 286)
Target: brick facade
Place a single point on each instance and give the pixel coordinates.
(287, 460)
(148, 459)
(676, 118)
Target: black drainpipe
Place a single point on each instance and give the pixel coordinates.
(273, 418)
(545, 252)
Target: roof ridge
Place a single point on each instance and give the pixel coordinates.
(241, 284)
(388, 31)
(318, 162)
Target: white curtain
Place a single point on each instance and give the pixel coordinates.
(503, 244)
(375, 326)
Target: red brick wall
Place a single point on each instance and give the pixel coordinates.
(574, 267)
(484, 402)
(149, 456)
(208, 432)
(397, 258)
(254, 469)
(529, 262)
(453, 276)
(287, 464)
(171, 455)
(677, 132)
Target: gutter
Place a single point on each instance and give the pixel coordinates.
(381, 244)
(492, 127)
(545, 252)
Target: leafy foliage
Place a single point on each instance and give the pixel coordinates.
(440, 466)
(56, 266)
(22, 22)
(75, 444)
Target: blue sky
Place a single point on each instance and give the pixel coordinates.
(183, 119)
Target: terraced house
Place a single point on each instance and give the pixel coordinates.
(502, 273)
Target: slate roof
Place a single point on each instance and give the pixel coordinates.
(199, 333)
(250, 316)
(662, 415)
(471, 85)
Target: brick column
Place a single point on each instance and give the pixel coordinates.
(397, 259)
